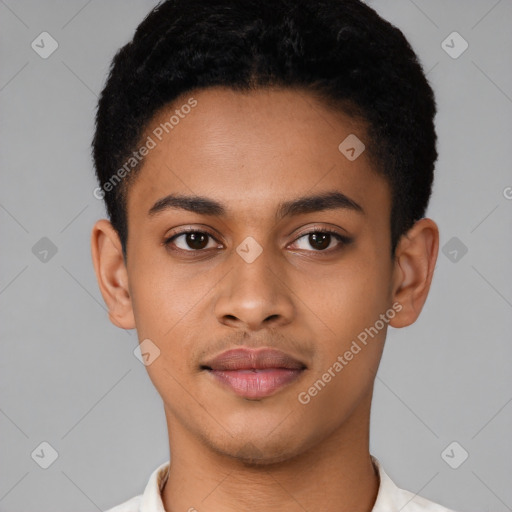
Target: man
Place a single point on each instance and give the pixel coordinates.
(266, 167)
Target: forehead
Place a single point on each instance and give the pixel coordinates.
(253, 150)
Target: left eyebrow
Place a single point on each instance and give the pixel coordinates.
(326, 201)
(302, 205)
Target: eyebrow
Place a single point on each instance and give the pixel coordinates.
(307, 204)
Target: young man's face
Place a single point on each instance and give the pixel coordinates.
(260, 280)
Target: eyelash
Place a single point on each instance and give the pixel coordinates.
(341, 238)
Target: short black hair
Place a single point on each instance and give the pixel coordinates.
(342, 51)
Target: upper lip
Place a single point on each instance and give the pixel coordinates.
(247, 359)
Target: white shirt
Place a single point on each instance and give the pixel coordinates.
(390, 498)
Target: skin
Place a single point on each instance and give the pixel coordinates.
(251, 152)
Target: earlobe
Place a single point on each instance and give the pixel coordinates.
(111, 274)
(415, 260)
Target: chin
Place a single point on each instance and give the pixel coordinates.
(251, 455)
(258, 450)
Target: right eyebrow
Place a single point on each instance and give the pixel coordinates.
(195, 204)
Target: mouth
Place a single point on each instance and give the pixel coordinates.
(254, 374)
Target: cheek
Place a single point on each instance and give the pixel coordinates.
(350, 352)
(163, 295)
(167, 303)
(345, 299)
(353, 301)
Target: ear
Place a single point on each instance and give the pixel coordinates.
(415, 260)
(111, 273)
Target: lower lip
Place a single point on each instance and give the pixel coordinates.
(255, 384)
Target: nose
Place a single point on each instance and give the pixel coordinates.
(254, 295)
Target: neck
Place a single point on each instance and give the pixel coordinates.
(335, 475)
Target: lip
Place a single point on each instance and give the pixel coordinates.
(254, 374)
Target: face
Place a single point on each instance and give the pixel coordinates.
(249, 229)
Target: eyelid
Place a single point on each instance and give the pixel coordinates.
(192, 229)
(321, 229)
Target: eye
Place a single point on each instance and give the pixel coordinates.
(192, 240)
(322, 239)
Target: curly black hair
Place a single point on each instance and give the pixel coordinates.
(341, 51)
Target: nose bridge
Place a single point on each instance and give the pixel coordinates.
(255, 267)
(254, 292)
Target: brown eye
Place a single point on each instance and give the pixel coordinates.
(190, 241)
(321, 240)
(196, 240)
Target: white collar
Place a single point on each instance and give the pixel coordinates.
(390, 498)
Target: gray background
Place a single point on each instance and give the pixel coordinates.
(70, 378)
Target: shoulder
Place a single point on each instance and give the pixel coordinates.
(414, 503)
(150, 500)
(391, 497)
(132, 505)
